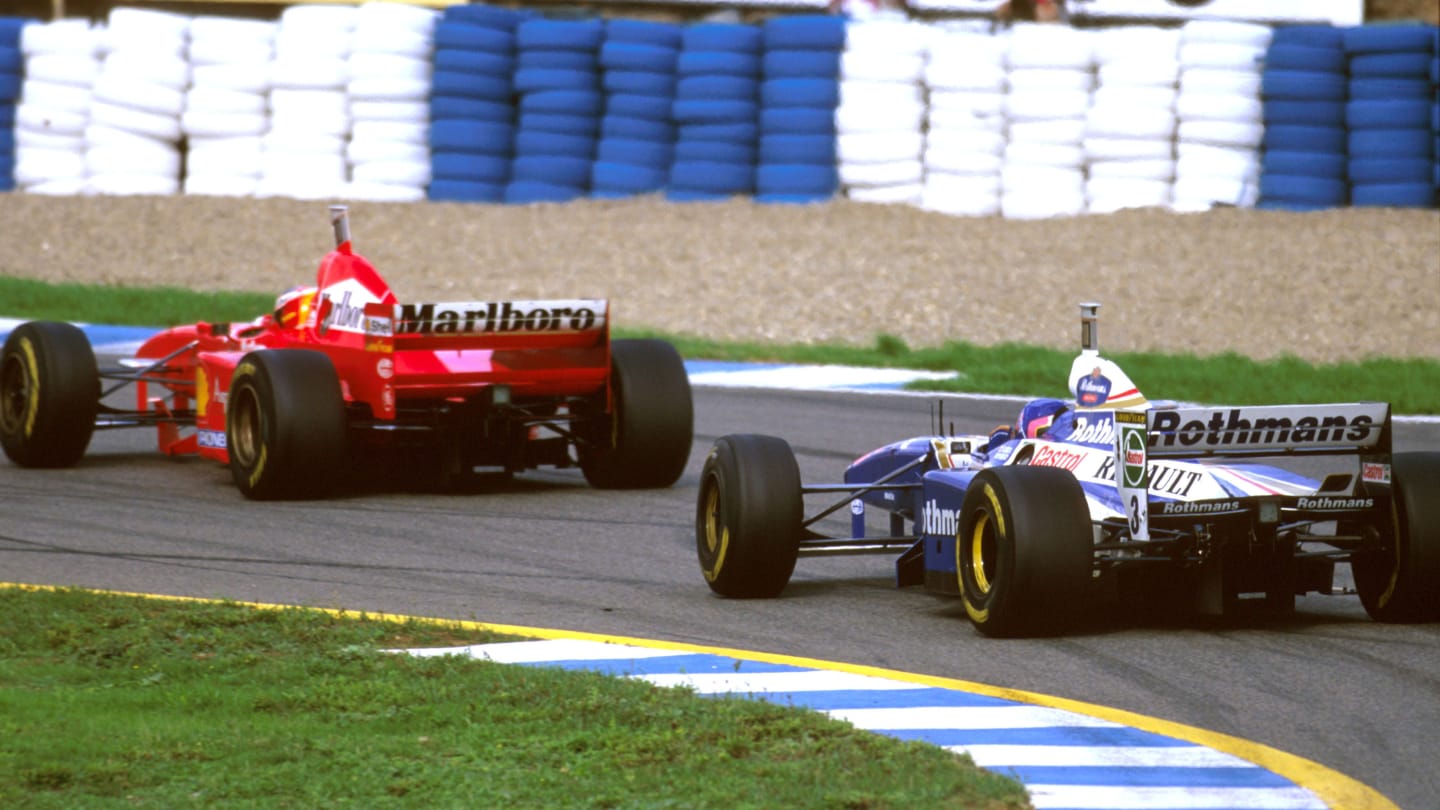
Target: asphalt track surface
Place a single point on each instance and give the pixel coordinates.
(547, 551)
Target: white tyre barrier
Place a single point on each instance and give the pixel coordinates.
(1034, 178)
(1157, 169)
(1049, 46)
(1140, 72)
(135, 93)
(303, 140)
(50, 120)
(311, 72)
(53, 96)
(220, 184)
(62, 68)
(60, 187)
(98, 135)
(34, 165)
(216, 51)
(394, 172)
(879, 147)
(401, 43)
(1063, 131)
(1222, 161)
(967, 140)
(1227, 32)
(1222, 133)
(1221, 80)
(1129, 42)
(395, 111)
(891, 173)
(981, 103)
(207, 123)
(964, 73)
(74, 36)
(1127, 192)
(1041, 204)
(161, 159)
(1219, 55)
(240, 156)
(1134, 97)
(201, 98)
(900, 194)
(1203, 193)
(142, 122)
(1066, 156)
(366, 150)
(385, 192)
(1192, 105)
(899, 37)
(855, 93)
(894, 116)
(1114, 120)
(416, 132)
(1100, 148)
(386, 89)
(881, 66)
(165, 70)
(1044, 79)
(231, 29)
(26, 137)
(372, 65)
(962, 162)
(1042, 105)
(245, 77)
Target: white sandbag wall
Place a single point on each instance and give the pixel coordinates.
(389, 80)
(1050, 78)
(304, 149)
(1130, 126)
(62, 60)
(965, 141)
(1220, 114)
(227, 105)
(880, 120)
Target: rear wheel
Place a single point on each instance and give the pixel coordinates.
(1401, 582)
(645, 441)
(1024, 550)
(747, 516)
(49, 394)
(285, 425)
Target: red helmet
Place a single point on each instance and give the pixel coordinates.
(292, 307)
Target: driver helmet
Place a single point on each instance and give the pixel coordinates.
(1036, 417)
(292, 307)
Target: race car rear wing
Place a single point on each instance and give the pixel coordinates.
(1342, 428)
(490, 324)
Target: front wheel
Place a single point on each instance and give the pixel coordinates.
(748, 515)
(285, 425)
(1023, 550)
(645, 441)
(49, 394)
(1401, 582)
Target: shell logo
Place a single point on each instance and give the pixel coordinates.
(385, 367)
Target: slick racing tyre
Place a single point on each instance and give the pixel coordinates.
(1401, 581)
(645, 441)
(49, 394)
(285, 425)
(747, 516)
(1024, 550)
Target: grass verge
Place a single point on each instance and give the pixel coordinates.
(1411, 386)
(110, 700)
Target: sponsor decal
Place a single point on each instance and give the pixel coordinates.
(385, 367)
(1198, 507)
(341, 314)
(378, 326)
(1093, 430)
(1375, 473)
(1324, 504)
(1165, 479)
(491, 317)
(857, 506)
(1131, 449)
(937, 520)
(1057, 456)
(1093, 390)
(1264, 427)
(210, 438)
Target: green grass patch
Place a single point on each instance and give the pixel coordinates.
(110, 701)
(1411, 386)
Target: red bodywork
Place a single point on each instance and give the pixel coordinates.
(386, 355)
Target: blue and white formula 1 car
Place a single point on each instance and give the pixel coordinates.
(1108, 495)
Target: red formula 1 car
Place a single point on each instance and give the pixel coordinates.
(342, 369)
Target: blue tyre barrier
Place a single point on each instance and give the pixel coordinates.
(630, 105)
(1305, 85)
(800, 93)
(563, 102)
(1305, 57)
(730, 63)
(470, 167)
(1395, 143)
(1393, 195)
(800, 64)
(1308, 113)
(486, 16)
(462, 135)
(637, 56)
(1404, 114)
(613, 125)
(554, 169)
(1303, 189)
(1404, 65)
(468, 37)
(626, 177)
(1391, 170)
(529, 143)
(735, 132)
(1389, 38)
(1305, 138)
(712, 177)
(586, 126)
(539, 80)
(737, 37)
(793, 149)
(521, 192)
(1305, 164)
(708, 111)
(475, 109)
(465, 191)
(485, 63)
(574, 35)
(717, 87)
(635, 152)
(1312, 36)
(640, 83)
(791, 178)
(556, 59)
(1388, 89)
(471, 85)
(813, 31)
(692, 149)
(797, 121)
(644, 32)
